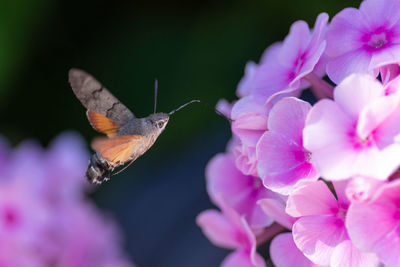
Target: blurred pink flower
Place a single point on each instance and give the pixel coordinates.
(230, 230)
(224, 107)
(44, 216)
(81, 236)
(24, 218)
(282, 160)
(361, 41)
(320, 231)
(355, 135)
(280, 73)
(239, 191)
(389, 72)
(375, 225)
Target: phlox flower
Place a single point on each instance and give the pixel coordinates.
(355, 135)
(246, 84)
(230, 230)
(24, 218)
(389, 72)
(44, 218)
(363, 40)
(10, 256)
(66, 161)
(249, 117)
(88, 238)
(320, 231)
(281, 73)
(239, 191)
(282, 160)
(374, 225)
(56, 174)
(361, 189)
(284, 252)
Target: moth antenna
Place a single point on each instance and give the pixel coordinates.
(184, 105)
(155, 95)
(124, 168)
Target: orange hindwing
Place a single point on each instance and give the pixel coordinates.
(119, 149)
(102, 124)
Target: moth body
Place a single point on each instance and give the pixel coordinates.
(99, 170)
(154, 124)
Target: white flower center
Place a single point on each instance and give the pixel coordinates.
(377, 40)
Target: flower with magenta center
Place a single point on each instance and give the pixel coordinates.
(363, 40)
(355, 135)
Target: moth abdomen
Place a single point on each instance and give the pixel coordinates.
(99, 169)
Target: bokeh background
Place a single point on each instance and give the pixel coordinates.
(196, 49)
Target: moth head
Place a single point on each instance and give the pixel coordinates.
(159, 120)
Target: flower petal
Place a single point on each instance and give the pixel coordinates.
(311, 198)
(317, 236)
(346, 28)
(284, 252)
(326, 137)
(294, 44)
(347, 255)
(241, 258)
(356, 61)
(282, 163)
(218, 229)
(288, 116)
(356, 92)
(380, 12)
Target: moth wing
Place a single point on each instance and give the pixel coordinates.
(119, 149)
(94, 96)
(102, 124)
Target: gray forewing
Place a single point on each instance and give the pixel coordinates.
(94, 96)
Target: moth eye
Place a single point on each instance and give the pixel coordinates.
(160, 124)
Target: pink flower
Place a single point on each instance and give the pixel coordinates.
(249, 123)
(57, 174)
(362, 41)
(66, 161)
(82, 237)
(375, 225)
(356, 134)
(282, 159)
(389, 72)
(44, 218)
(230, 230)
(224, 107)
(360, 189)
(281, 72)
(245, 85)
(24, 218)
(239, 191)
(320, 231)
(284, 252)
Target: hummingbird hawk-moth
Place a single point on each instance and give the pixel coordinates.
(127, 138)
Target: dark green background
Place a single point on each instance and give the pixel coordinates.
(196, 49)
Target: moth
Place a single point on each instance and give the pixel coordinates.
(127, 137)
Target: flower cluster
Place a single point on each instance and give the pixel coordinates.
(45, 219)
(325, 174)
